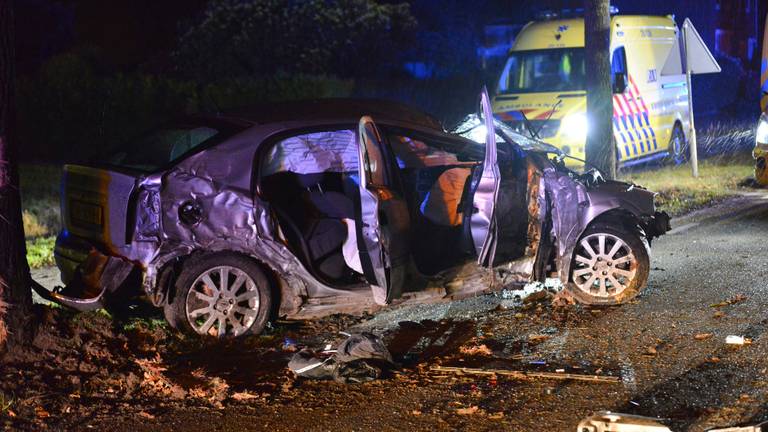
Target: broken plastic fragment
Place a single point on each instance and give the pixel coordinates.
(607, 421)
(737, 340)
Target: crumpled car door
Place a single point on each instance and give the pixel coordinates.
(382, 218)
(483, 220)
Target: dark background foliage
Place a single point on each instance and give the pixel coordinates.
(96, 73)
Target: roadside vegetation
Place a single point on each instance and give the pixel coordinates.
(41, 213)
(680, 193)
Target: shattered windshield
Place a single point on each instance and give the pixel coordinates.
(549, 70)
(473, 128)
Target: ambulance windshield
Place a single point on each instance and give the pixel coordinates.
(548, 70)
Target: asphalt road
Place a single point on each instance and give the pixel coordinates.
(668, 348)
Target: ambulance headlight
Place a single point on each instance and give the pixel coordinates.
(575, 126)
(761, 137)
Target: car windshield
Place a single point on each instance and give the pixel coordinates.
(164, 145)
(473, 128)
(549, 70)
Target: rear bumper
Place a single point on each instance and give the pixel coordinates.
(70, 252)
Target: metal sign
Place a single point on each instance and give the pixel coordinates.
(698, 60)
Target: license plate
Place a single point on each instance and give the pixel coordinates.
(85, 214)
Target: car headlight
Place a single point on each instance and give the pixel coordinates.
(575, 126)
(761, 136)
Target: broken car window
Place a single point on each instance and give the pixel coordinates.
(162, 146)
(317, 152)
(413, 150)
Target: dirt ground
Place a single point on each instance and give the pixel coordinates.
(666, 350)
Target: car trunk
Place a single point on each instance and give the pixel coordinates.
(95, 204)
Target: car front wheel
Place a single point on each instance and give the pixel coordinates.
(610, 265)
(220, 295)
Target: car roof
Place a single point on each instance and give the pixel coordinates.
(332, 110)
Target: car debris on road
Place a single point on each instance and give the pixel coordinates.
(737, 340)
(606, 421)
(359, 358)
(518, 374)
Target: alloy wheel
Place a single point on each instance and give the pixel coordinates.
(223, 301)
(604, 265)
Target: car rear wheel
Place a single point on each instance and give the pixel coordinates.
(678, 146)
(221, 295)
(610, 265)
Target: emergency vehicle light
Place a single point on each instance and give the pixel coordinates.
(548, 15)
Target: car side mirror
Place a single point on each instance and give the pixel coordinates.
(619, 83)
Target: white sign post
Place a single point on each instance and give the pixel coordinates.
(698, 60)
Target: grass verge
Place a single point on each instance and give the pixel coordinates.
(40, 251)
(679, 192)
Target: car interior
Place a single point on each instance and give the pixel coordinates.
(309, 180)
(311, 183)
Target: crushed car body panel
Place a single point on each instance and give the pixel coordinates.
(515, 202)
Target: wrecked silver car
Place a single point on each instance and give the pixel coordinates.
(306, 209)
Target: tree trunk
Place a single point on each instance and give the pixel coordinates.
(601, 150)
(15, 294)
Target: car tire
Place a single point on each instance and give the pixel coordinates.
(678, 146)
(240, 307)
(604, 276)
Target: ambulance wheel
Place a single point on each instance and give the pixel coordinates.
(678, 146)
(222, 295)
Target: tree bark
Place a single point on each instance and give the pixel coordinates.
(601, 150)
(15, 294)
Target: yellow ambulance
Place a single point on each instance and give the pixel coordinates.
(542, 87)
(761, 135)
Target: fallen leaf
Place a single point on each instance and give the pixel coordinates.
(242, 396)
(146, 415)
(468, 411)
(537, 339)
(702, 336)
(41, 413)
(651, 351)
(738, 298)
(476, 350)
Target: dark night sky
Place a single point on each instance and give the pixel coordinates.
(137, 32)
(129, 32)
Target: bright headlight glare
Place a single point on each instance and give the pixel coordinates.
(575, 126)
(478, 134)
(761, 136)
